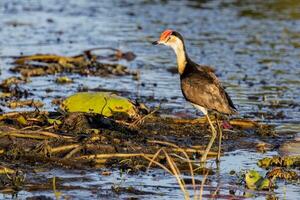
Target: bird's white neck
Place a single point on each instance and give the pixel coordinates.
(179, 49)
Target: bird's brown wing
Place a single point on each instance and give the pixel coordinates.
(204, 89)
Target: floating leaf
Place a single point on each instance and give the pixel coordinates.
(104, 103)
(251, 178)
(255, 181)
(63, 80)
(263, 184)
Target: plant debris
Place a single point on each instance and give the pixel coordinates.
(25, 103)
(45, 64)
(279, 172)
(277, 161)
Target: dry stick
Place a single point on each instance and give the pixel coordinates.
(144, 117)
(30, 127)
(167, 170)
(38, 132)
(5, 170)
(184, 159)
(198, 147)
(215, 192)
(200, 120)
(7, 190)
(185, 154)
(163, 142)
(64, 148)
(34, 120)
(154, 157)
(176, 148)
(176, 173)
(49, 127)
(120, 155)
(44, 133)
(159, 164)
(23, 136)
(189, 150)
(72, 152)
(202, 185)
(220, 139)
(244, 123)
(12, 114)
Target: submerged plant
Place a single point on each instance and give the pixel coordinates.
(173, 169)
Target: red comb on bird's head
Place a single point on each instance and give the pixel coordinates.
(163, 37)
(165, 34)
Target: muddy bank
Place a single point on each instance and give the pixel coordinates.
(34, 142)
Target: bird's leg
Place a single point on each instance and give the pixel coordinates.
(212, 139)
(220, 138)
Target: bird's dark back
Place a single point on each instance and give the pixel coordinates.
(200, 86)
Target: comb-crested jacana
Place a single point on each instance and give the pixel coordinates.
(199, 85)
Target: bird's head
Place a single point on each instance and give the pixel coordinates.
(171, 38)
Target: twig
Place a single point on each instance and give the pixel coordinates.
(5, 170)
(202, 185)
(177, 173)
(154, 157)
(19, 135)
(71, 153)
(44, 133)
(138, 121)
(64, 148)
(177, 148)
(119, 155)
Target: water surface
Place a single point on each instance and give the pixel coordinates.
(254, 46)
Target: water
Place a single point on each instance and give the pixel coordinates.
(253, 45)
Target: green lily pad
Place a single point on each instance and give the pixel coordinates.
(251, 178)
(104, 103)
(255, 181)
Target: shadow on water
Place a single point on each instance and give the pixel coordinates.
(254, 47)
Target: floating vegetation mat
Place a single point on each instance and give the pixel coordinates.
(90, 140)
(83, 64)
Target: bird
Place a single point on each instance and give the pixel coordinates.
(199, 86)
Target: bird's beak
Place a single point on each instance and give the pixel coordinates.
(156, 42)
